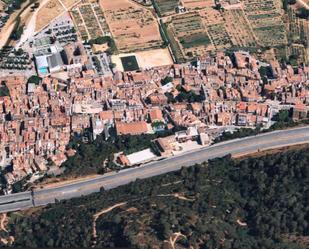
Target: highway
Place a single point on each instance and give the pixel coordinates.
(246, 145)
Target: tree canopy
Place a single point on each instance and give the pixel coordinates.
(252, 203)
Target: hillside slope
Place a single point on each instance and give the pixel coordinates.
(253, 203)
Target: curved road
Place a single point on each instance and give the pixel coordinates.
(247, 145)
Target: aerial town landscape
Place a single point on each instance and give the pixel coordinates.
(106, 105)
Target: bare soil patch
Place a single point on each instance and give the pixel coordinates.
(47, 13)
(133, 27)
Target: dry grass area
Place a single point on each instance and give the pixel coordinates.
(265, 18)
(99, 47)
(272, 151)
(97, 215)
(61, 181)
(216, 28)
(303, 241)
(47, 13)
(26, 16)
(133, 27)
(198, 4)
(3, 222)
(268, 55)
(239, 29)
(146, 59)
(154, 58)
(69, 3)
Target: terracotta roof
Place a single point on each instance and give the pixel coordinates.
(156, 115)
(133, 128)
(106, 115)
(300, 106)
(123, 160)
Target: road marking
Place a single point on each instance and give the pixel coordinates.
(247, 145)
(154, 170)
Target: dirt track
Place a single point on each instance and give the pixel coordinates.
(9, 26)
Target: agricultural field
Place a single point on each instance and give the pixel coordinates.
(298, 37)
(198, 4)
(79, 24)
(47, 13)
(249, 24)
(100, 15)
(165, 7)
(296, 28)
(238, 28)
(89, 20)
(187, 35)
(297, 54)
(306, 33)
(216, 28)
(133, 27)
(219, 36)
(265, 17)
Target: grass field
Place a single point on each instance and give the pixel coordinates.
(165, 7)
(129, 63)
(194, 40)
(187, 35)
(146, 59)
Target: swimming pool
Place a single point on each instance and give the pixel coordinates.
(43, 70)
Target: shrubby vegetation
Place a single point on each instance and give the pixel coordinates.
(18, 30)
(283, 121)
(188, 96)
(34, 79)
(242, 132)
(90, 157)
(255, 203)
(105, 39)
(4, 90)
(166, 80)
(96, 63)
(303, 13)
(286, 3)
(15, 5)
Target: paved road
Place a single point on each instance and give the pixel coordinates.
(239, 146)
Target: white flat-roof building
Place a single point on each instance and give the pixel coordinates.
(141, 157)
